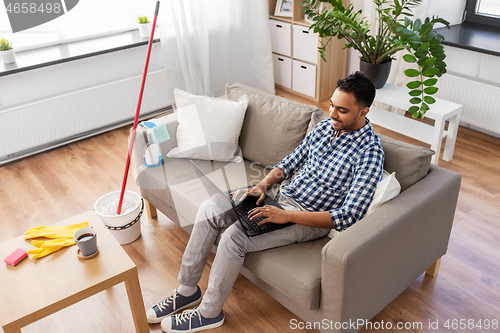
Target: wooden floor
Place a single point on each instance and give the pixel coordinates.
(51, 186)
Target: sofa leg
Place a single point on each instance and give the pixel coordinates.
(150, 209)
(434, 269)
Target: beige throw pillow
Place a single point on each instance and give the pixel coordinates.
(274, 126)
(410, 163)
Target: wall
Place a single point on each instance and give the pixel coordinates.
(469, 64)
(52, 80)
(451, 10)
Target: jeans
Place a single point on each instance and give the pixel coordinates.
(233, 247)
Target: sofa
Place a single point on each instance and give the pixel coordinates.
(332, 282)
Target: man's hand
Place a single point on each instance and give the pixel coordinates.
(273, 214)
(275, 176)
(255, 191)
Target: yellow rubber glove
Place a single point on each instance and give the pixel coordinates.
(47, 247)
(55, 232)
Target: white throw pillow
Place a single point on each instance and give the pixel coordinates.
(209, 127)
(386, 190)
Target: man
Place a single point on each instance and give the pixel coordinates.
(337, 167)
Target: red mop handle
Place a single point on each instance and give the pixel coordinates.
(132, 137)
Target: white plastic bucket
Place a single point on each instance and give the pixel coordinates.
(126, 228)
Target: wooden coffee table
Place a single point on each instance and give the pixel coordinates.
(36, 288)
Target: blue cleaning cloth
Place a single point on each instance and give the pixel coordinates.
(159, 129)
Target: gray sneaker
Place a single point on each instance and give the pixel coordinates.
(173, 303)
(190, 321)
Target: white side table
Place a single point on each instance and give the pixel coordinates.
(441, 111)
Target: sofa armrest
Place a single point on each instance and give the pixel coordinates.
(368, 265)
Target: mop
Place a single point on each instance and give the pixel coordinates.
(136, 119)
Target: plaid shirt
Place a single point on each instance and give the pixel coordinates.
(339, 176)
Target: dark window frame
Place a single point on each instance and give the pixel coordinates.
(473, 17)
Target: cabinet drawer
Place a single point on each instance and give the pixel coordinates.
(281, 37)
(282, 71)
(304, 78)
(305, 44)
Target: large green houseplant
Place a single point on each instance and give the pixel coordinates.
(395, 32)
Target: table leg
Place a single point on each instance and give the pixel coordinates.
(17, 330)
(437, 139)
(451, 138)
(136, 304)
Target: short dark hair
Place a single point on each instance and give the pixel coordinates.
(361, 86)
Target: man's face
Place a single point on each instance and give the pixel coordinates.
(346, 114)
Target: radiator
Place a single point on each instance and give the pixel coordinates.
(481, 101)
(32, 127)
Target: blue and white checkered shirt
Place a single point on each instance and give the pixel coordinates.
(338, 176)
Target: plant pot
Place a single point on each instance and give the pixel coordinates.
(144, 29)
(377, 73)
(8, 57)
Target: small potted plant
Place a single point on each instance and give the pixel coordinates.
(395, 32)
(144, 26)
(7, 52)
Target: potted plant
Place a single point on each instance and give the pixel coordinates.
(395, 32)
(7, 52)
(144, 26)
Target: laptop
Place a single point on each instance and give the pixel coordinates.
(239, 209)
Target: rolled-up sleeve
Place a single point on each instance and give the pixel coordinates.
(368, 172)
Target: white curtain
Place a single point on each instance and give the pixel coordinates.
(450, 10)
(208, 43)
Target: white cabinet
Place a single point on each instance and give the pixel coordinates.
(281, 37)
(282, 70)
(304, 78)
(305, 44)
(298, 68)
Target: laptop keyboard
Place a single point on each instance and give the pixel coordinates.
(243, 207)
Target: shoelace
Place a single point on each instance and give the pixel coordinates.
(163, 304)
(187, 315)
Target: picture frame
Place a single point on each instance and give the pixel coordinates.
(284, 8)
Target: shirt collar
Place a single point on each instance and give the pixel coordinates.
(357, 133)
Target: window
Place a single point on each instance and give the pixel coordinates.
(486, 12)
(87, 19)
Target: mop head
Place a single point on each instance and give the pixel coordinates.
(112, 208)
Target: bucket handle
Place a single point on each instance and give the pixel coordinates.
(128, 225)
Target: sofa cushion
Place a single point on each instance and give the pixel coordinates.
(273, 126)
(294, 269)
(411, 163)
